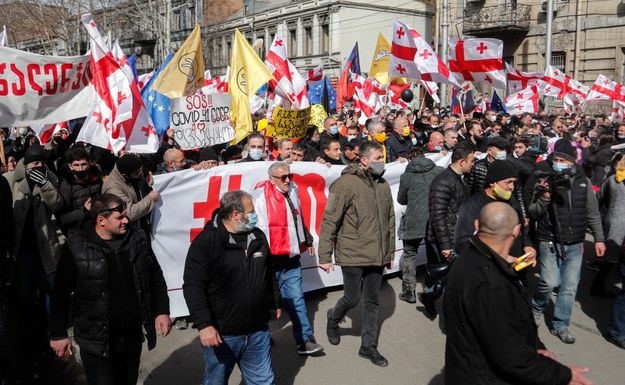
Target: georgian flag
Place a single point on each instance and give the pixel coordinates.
(555, 83)
(118, 119)
(314, 75)
(523, 101)
(518, 80)
(46, 131)
(290, 84)
(478, 60)
(431, 88)
(366, 97)
(618, 110)
(413, 58)
(606, 89)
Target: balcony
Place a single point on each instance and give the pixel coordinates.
(499, 18)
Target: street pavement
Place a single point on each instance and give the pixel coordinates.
(413, 345)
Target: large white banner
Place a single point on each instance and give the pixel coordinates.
(38, 89)
(188, 199)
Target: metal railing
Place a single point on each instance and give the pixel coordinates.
(496, 18)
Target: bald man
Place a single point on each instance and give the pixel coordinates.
(398, 143)
(491, 335)
(435, 145)
(173, 160)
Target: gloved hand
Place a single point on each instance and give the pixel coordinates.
(38, 177)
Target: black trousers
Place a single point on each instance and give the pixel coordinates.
(121, 367)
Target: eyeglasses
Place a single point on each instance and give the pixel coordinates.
(284, 177)
(119, 208)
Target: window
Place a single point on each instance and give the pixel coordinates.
(325, 38)
(292, 42)
(558, 60)
(308, 46)
(228, 52)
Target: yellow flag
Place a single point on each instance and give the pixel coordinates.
(247, 74)
(381, 61)
(185, 72)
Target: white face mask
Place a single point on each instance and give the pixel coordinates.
(256, 153)
(350, 137)
(493, 118)
(501, 155)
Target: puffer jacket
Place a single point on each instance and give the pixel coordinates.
(447, 193)
(414, 189)
(85, 270)
(358, 222)
(74, 196)
(137, 206)
(43, 201)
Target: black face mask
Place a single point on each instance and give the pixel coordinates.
(57, 139)
(81, 174)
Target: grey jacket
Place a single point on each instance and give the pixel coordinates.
(137, 207)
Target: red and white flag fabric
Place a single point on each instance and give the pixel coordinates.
(366, 97)
(215, 84)
(518, 80)
(46, 131)
(555, 83)
(617, 114)
(431, 88)
(313, 75)
(289, 81)
(118, 119)
(413, 58)
(478, 60)
(523, 101)
(606, 89)
(144, 79)
(4, 37)
(275, 218)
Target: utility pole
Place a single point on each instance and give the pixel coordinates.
(445, 33)
(548, 27)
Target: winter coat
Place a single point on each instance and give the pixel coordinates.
(611, 199)
(396, 147)
(492, 338)
(597, 162)
(43, 201)
(447, 193)
(226, 286)
(358, 222)
(414, 189)
(137, 207)
(75, 195)
(84, 271)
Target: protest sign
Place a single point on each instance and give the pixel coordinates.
(201, 120)
(318, 115)
(189, 198)
(39, 89)
(288, 123)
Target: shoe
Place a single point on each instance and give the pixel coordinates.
(619, 343)
(428, 304)
(601, 292)
(309, 347)
(538, 317)
(332, 330)
(182, 324)
(593, 265)
(408, 296)
(371, 352)
(563, 335)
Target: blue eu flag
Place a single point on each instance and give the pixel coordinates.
(156, 103)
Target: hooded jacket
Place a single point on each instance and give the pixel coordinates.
(414, 189)
(358, 222)
(137, 207)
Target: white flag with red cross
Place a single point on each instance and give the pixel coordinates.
(606, 89)
(290, 84)
(313, 75)
(618, 112)
(46, 131)
(413, 58)
(366, 97)
(518, 80)
(555, 83)
(431, 88)
(215, 84)
(523, 101)
(478, 60)
(118, 119)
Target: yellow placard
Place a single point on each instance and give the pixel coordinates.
(317, 116)
(288, 123)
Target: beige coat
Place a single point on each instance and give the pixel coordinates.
(44, 201)
(136, 207)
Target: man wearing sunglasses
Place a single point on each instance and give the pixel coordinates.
(119, 295)
(280, 217)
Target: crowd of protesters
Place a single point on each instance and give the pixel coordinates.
(64, 206)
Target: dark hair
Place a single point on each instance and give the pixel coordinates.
(605, 139)
(299, 146)
(522, 139)
(461, 151)
(102, 202)
(369, 146)
(76, 154)
(256, 135)
(415, 152)
(232, 201)
(327, 143)
(352, 144)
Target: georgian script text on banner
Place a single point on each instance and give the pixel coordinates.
(288, 123)
(38, 89)
(201, 120)
(188, 199)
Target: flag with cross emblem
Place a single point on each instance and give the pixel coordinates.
(478, 61)
(606, 89)
(523, 101)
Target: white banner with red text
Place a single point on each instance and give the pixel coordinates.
(188, 199)
(39, 89)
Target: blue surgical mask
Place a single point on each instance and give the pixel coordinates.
(501, 155)
(414, 141)
(252, 219)
(334, 130)
(560, 167)
(419, 134)
(256, 153)
(438, 148)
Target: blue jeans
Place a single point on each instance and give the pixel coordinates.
(250, 352)
(290, 282)
(616, 330)
(555, 272)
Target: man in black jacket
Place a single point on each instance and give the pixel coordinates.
(232, 292)
(491, 336)
(447, 193)
(118, 291)
(398, 143)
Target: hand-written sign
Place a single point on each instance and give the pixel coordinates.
(288, 123)
(201, 120)
(318, 115)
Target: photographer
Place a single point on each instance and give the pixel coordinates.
(564, 206)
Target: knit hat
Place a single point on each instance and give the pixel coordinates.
(499, 142)
(499, 170)
(208, 153)
(35, 153)
(564, 149)
(128, 164)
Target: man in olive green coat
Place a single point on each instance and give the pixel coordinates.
(358, 224)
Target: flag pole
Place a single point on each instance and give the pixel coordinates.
(464, 122)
